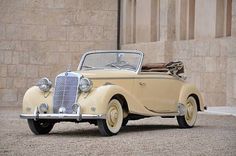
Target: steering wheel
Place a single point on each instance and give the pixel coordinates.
(128, 66)
(112, 65)
(121, 64)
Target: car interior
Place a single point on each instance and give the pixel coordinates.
(175, 68)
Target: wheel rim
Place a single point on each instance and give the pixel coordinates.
(114, 116)
(191, 111)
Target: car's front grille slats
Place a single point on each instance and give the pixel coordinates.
(66, 90)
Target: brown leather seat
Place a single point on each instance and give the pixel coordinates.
(154, 67)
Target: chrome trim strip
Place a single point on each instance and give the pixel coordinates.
(162, 113)
(101, 78)
(181, 111)
(62, 116)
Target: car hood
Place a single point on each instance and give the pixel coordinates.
(106, 73)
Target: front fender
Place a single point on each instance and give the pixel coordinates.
(97, 100)
(34, 97)
(188, 90)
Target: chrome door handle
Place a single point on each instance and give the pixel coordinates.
(142, 83)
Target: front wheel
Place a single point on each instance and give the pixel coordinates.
(114, 118)
(40, 126)
(190, 117)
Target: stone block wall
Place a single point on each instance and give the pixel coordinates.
(42, 37)
(210, 64)
(153, 52)
(233, 18)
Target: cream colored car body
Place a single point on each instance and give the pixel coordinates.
(147, 94)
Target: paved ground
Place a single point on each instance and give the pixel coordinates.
(213, 135)
(222, 110)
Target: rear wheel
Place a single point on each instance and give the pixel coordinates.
(190, 117)
(40, 126)
(114, 118)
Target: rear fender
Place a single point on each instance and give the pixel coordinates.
(188, 90)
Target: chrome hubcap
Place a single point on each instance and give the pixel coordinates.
(189, 114)
(113, 116)
(191, 111)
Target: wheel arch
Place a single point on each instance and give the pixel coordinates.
(190, 90)
(101, 96)
(123, 101)
(197, 101)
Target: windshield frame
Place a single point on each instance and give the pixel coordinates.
(114, 51)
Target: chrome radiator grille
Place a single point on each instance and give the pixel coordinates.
(66, 92)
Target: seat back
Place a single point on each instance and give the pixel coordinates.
(154, 67)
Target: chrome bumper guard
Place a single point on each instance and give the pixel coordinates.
(62, 116)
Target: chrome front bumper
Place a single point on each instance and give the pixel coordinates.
(61, 116)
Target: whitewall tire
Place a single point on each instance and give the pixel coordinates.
(190, 117)
(114, 119)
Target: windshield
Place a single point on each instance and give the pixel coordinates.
(112, 60)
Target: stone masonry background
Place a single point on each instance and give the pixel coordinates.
(41, 38)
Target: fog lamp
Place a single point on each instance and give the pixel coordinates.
(75, 107)
(43, 107)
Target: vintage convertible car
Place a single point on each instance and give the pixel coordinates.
(109, 89)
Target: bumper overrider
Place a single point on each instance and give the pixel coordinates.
(61, 116)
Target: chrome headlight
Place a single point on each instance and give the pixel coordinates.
(44, 84)
(85, 84)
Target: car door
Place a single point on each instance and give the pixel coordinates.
(158, 93)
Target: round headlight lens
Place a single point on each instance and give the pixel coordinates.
(85, 84)
(44, 84)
